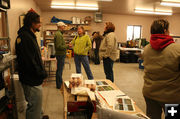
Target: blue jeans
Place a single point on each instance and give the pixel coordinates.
(33, 96)
(108, 68)
(78, 59)
(59, 71)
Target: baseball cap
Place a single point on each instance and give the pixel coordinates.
(61, 24)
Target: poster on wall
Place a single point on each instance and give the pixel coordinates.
(21, 18)
(5, 4)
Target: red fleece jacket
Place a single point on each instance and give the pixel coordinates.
(160, 41)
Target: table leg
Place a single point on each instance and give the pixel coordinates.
(65, 101)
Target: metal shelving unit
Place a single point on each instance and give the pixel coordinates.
(8, 108)
(68, 31)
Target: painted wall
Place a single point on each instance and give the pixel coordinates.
(18, 7)
(174, 27)
(120, 21)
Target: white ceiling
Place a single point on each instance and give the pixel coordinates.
(115, 7)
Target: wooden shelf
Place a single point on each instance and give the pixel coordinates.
(65, 23)
(64, 30)
(4, 38)
(70, 36)
(49, 36)
(7, 64)
(78, 24)
(51, 28)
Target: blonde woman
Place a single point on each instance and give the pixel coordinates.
(82, 44)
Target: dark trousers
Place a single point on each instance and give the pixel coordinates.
(59, 71)
(96, 56)
(154, 108)
(108, 68)
(78, 59)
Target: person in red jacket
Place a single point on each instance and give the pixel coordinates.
(161, 70)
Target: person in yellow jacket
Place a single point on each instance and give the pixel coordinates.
(82, 44)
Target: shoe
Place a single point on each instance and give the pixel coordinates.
(45, 117)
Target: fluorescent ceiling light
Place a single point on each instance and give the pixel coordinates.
(68, 4)
(62, 7)
(72, 7)
(163, 13)
(105, 0)
(63, 2)
(153, 12)
(87, 8)
(143, 9)
(163, 10)
(172, 4)
(170, 0)
(80, 5)
(145, 12)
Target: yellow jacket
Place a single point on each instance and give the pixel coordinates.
(82, 44)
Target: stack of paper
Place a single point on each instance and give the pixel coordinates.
(110, 96)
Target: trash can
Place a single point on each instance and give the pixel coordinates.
(141, 66)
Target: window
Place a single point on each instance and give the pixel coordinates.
(133, 32)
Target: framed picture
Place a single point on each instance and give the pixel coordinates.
(21, 18)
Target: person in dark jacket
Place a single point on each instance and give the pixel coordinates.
(30, 67)
(96, 44)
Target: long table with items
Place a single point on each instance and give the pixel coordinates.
(112, 98)
(130, 55)
(107, 97)
(75, 103)
(48, 64)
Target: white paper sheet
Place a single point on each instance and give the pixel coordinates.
(66, 83)
(110, 96)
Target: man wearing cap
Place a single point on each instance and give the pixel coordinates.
(60, 48)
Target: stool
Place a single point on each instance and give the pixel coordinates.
(68, 55)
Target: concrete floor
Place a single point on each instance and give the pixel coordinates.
(128, 77)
